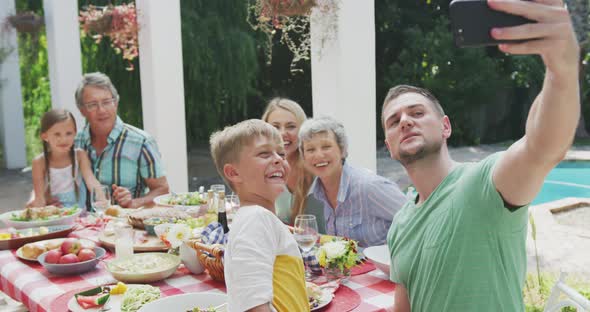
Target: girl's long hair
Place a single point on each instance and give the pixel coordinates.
(47, 121)
(304, 178)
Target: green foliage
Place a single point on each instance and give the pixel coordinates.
(220, 65)
(103, 58)
(415, 46)
(35, 87)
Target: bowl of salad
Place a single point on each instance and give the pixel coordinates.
(42, 216)
(185, 200)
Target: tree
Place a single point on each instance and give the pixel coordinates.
(580, 11)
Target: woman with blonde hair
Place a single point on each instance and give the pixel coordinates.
(287, 116)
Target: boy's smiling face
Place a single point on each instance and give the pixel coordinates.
(260, 174)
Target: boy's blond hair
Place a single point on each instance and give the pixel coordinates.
(227, 144)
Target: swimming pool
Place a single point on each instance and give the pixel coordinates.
(568, 179)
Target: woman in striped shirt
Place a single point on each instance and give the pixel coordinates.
(357, 203)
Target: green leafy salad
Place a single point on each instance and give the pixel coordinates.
(134, 298)
(185, 199)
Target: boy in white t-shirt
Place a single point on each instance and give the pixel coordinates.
(263, 266)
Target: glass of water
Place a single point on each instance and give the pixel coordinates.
(306, 234)
(100, 200)
(232, 204)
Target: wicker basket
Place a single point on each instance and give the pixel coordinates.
(211, 258)
(26, 22)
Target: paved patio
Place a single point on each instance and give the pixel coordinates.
(560, 247)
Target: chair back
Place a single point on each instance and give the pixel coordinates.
(572, 298)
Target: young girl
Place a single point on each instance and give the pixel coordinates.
(55, 172)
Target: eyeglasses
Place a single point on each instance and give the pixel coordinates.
(92, 106)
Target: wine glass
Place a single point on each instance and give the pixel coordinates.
(306, 234)
(100, 200)
(232, 204)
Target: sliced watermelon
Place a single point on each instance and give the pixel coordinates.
(87, 302)
(92, 298)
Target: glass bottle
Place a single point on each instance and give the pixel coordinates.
(221, 214)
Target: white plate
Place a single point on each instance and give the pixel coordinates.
(5, 217)
(379, 255)
(326, 298)
(186, 302)
(114, 303)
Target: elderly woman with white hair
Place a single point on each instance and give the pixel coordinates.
(357, 203)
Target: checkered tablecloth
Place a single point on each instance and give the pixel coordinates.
(30, 284)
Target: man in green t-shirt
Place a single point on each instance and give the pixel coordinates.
(459, 245)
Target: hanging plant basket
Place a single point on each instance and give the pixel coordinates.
(288, 7)
(118, 23)
(102, 24)
(26, 22)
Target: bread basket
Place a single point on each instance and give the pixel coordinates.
(211, 258)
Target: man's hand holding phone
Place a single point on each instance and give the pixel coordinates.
(552, 36)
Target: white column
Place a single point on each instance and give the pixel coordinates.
(63, 53)
(162, 85)
(12, 124)
(343, 74)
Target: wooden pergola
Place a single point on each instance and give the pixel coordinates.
(343, 78)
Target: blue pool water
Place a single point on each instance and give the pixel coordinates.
(568, 179)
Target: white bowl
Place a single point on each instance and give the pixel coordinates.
(65, 220)
(379, 255)
(186, 302)
(146, 276)
(72, 268)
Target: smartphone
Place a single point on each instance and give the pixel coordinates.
(472, 21)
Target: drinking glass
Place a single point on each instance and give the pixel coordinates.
(100, 200)
(232, 204)
(124, 240)
(306, 234)
(217, 187)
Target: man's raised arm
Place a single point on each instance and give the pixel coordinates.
(554, 115)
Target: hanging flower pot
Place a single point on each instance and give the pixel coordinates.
(27, 22)
(100, 24)
(288, 7)
(118, 23)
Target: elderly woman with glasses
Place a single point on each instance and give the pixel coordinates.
(357, 203)
(123, 157)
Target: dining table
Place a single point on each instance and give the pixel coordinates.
(367, 289)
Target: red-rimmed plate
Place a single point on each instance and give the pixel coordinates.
(56, 231)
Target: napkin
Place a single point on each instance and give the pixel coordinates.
(310, 259)
(213, 234)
